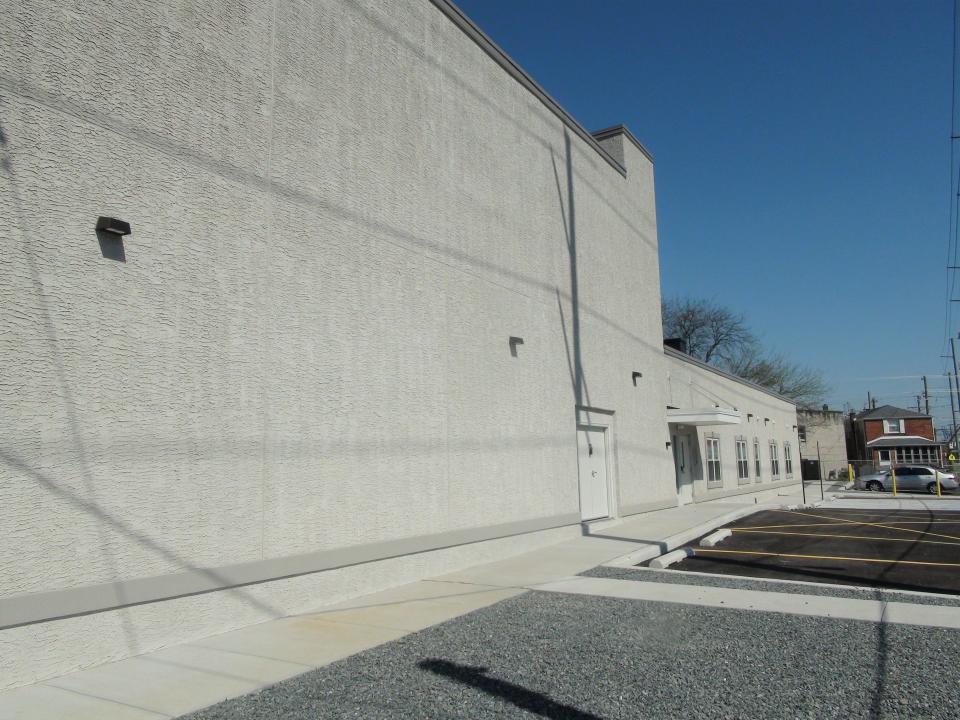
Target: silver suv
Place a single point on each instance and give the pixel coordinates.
(909, 477)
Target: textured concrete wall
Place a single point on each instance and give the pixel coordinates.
(341, 212)
(826, 429)
(765, 418)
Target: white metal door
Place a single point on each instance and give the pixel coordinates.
(592, 457)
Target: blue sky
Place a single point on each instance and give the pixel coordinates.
(802, 156)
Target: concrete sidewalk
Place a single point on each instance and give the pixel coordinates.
(179, 679)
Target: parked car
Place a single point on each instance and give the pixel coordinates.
(909, 477)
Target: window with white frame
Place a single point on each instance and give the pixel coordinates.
(714, 473)
(802, 433)
(892, 427)
(743, 461)
(788, 459)
(774, 460)
(756, 458)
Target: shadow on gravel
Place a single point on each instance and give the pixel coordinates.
(521, 697)
(880, 669)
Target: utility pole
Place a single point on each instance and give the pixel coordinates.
(869, 401)
(926, 395)
(918, 402)
(953, 412)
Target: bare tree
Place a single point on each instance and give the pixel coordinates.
(710, 331)
(803, 385)
(719, 336)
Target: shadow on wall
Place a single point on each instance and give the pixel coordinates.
(90, 503)
(521, 697)
(568, 214)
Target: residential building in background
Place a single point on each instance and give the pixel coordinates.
(823, 443)
(880, 436)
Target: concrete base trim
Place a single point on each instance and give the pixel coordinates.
(647, 507)
(29, 608)
(745, 490)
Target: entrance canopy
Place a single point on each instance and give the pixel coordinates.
(704, 416)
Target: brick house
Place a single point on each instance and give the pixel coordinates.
(888, 434)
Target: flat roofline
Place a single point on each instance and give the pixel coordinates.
(471, 30)
(669, 351)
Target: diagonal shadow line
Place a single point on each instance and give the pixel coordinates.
(521, 697)
(366, 606)
(315, 203)
(639, 541)
(50, 336)
(881, 667)
(94, 509)
(581, 391)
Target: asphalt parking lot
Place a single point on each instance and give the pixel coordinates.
(898, 549)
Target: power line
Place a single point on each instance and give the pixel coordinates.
(952, 215)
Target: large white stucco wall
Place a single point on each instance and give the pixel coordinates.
(341, 212)
(764, 417)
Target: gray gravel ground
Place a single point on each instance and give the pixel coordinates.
(677, 577)
(545, 655)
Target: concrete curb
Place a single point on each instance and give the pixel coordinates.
(869, 495)
(682, 538)
(665, 546)
(663, 561)
(715, 538)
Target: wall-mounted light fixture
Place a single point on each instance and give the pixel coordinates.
(514, 342)
(668, 444)
(636, 376)
(113, 226)
(749, 417)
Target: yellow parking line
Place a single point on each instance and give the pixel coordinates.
(848, 537)
(698, 551)
(857, 522)
(834, 524)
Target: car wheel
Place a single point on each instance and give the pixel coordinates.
(874, 486)
(932, 488)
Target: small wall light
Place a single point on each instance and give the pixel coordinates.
(514, 342)
(636, 375)
(749, 417)
(113, 226)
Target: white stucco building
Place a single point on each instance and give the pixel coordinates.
(385, 310)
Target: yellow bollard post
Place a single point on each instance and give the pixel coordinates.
(937, 475)
(893, 474)
(850, 472)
